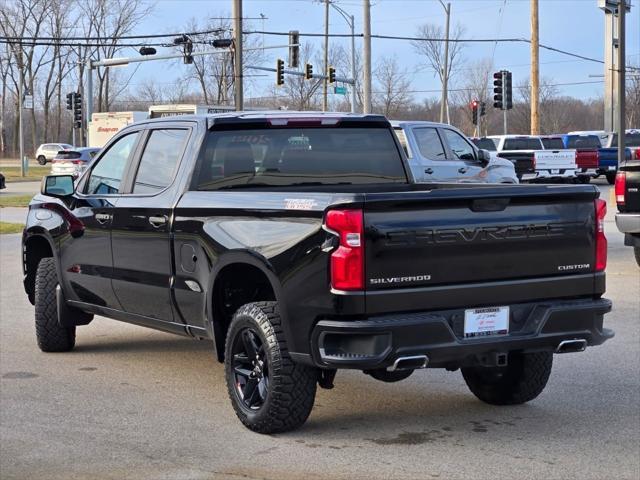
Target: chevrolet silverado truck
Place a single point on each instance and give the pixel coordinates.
(584, 149)
(608, 154)
(299, 244)
(557, 165)
(627, 191)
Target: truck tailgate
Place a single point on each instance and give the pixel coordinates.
(555, 159)
(587, 158)
(461, 235)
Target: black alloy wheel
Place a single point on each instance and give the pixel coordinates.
(251, 369)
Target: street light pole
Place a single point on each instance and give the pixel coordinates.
(444, 107)
(326, 56)
(366, 53)
(237, 48)
(351, 22)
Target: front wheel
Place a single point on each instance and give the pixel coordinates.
(51, 336)
(522, 380)
(42, 160)
(269, 392)
(611, 177)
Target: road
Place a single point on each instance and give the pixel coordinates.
(138, 404)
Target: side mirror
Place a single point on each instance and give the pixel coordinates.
(59, 186)
(484, 157)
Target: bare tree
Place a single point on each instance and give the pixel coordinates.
(432, 49)
(633, 99)
(392, 87)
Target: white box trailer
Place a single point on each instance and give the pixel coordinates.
(105, 125)
(170, 110)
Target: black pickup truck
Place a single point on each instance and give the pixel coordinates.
(299, 244)
(627, 191)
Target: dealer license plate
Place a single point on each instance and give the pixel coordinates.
(555, 171)
(484, 322)
(611, 167)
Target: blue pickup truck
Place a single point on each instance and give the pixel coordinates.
(608, 154)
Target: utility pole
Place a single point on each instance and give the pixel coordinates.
(622, 66)
(237, 58)
(535, 69)
(353, 64)
(326, 56)
(445, 74)
(366, 74)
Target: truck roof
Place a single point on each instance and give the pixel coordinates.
(258, 116)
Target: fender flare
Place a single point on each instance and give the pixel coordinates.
(242, 257)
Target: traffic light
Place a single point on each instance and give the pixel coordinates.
(187, 47)
(498, 90)
(483, 109)
(280, 72)
(294, 48)
(508, 94)
(474, 111)
(308, 71)
(70, 101)
(332, 75)
(77, 110)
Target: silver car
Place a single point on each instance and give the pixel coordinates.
(47, 151)
(73, 162)
(438, 152)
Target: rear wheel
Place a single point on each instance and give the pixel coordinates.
(51, 336)
(584, 178)
(522, 380)
(42, 160)
(611, 177)
(268, 391)
(636, 251)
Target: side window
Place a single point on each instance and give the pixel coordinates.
(106, 176)
(429, 143)
(458, 145)
(158, 163)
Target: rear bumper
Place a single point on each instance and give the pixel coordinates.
(554, 173)
(378, 342)
(628, 222)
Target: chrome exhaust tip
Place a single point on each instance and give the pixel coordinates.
(409, 363)
(571, 346)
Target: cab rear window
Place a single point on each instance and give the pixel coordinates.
(298, 156)
(522, 144)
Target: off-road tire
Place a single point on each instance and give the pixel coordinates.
(522, 380)
(42, 160)
(611, 178)
(636, 251)
(50, 335)
(292, 387)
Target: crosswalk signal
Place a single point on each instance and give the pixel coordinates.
(332, 75)
(474, 111)
(70, 101)
(308, 71)
(498, 88)
(279, 72)
(508, 93)
(77, 110)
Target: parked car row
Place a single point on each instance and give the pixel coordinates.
(576, 156)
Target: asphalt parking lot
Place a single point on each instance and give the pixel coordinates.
(134, 403)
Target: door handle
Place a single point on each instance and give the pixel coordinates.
(462, 170)
(428, 170)
(158, 220)
(102, 218)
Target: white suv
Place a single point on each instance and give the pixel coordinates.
(47, 151)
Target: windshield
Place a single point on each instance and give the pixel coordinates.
(583, 141)
(522, 144)
(298, 156)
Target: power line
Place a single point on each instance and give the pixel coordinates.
(123, 37)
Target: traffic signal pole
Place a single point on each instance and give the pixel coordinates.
(237, 55)
(325, 85)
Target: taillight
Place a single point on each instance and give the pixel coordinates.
(77, 162)
(637, 156)
(347, 261)
(620, 187)
(534, 162)
(601, 239)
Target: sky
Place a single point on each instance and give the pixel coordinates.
(573, 25)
